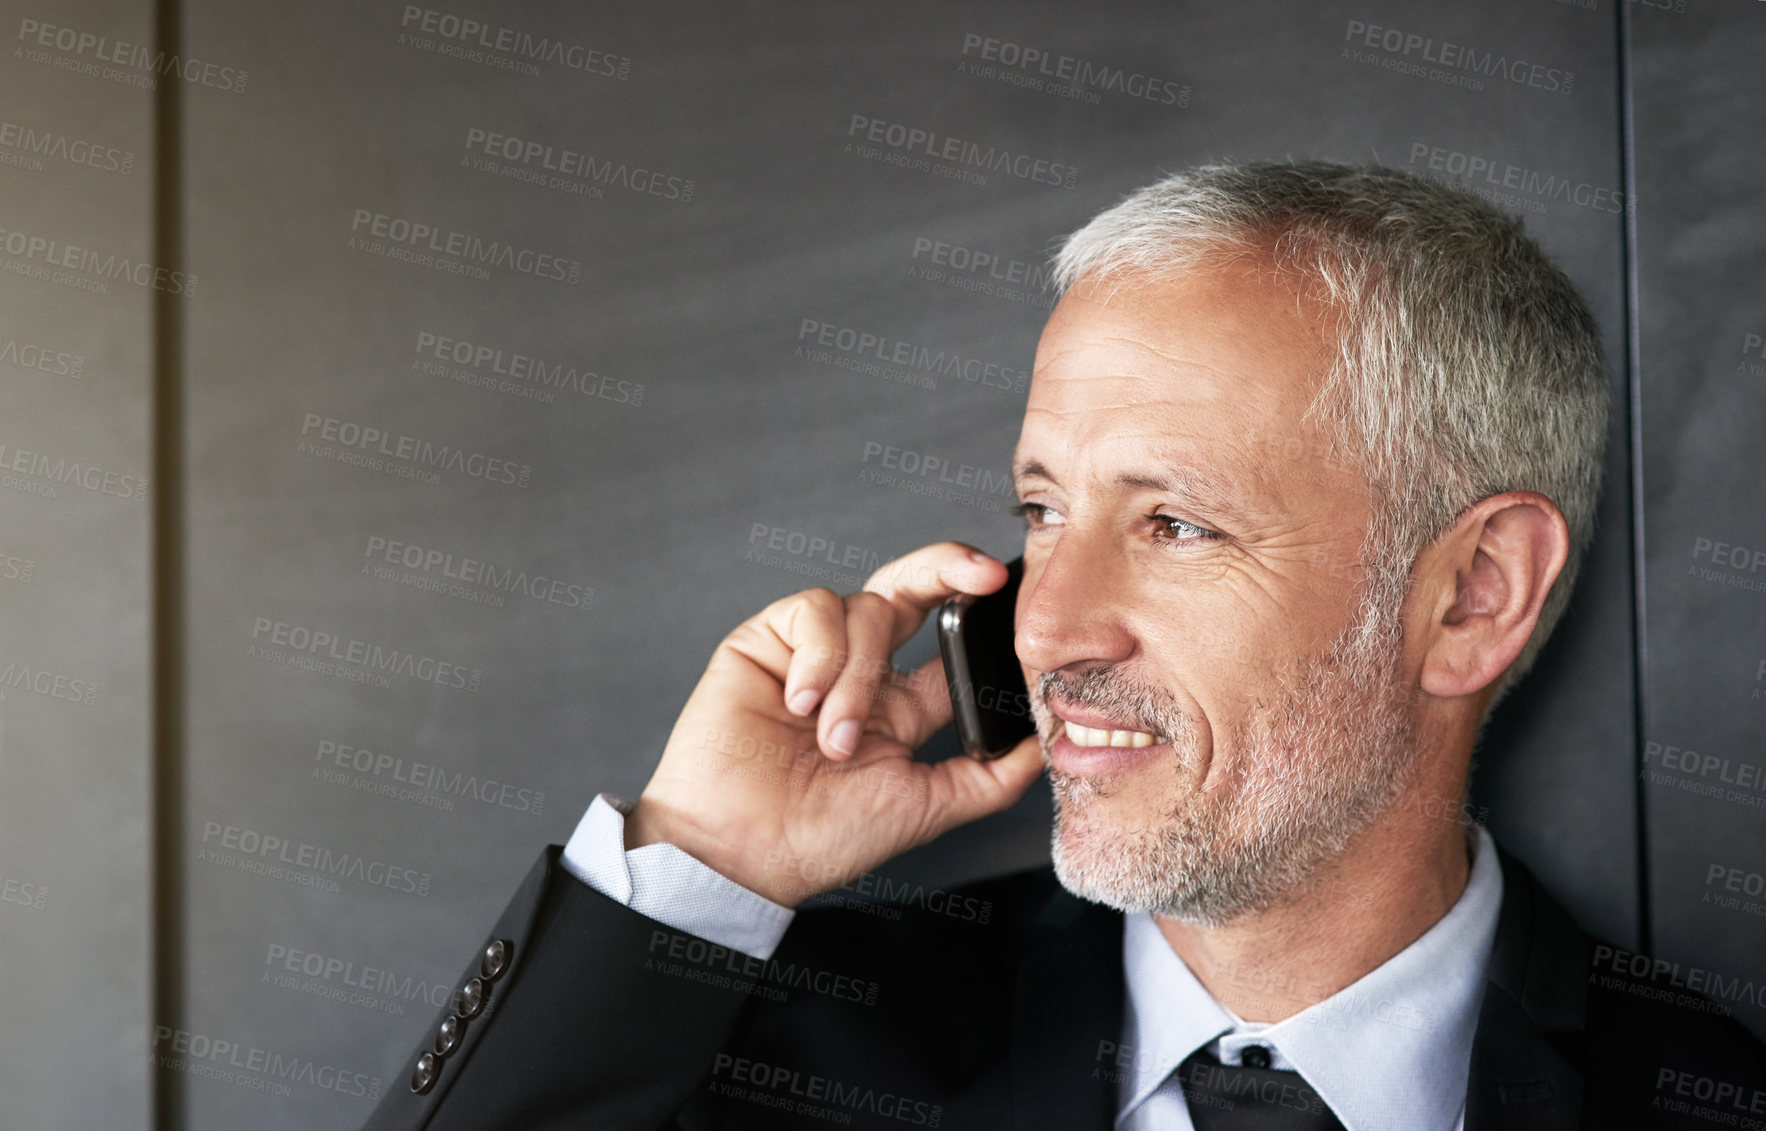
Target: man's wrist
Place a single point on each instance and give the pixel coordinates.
(649, 822)
(664, 882)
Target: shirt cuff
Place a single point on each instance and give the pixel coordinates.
(663, 883)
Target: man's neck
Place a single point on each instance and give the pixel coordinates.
(1389, 886)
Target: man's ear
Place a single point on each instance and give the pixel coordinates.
(1478, 589)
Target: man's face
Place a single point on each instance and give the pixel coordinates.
(1219, 712)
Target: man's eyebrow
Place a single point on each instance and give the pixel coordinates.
(1180, 479)
(1032, 469)
(1202, 488)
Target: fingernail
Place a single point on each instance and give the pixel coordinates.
(805, 701)
(978, 556)
(844, 736)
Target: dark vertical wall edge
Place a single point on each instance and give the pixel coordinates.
(167, 571)
(1634, 460)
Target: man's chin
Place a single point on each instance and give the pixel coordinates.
(1100, 852)
(1155, 861)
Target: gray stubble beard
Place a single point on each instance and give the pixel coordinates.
(1313, 770)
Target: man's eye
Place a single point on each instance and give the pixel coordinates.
(1169, 528)
(1037, 514)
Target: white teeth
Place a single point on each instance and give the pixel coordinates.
(1096, 736)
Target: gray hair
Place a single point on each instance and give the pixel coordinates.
(1468, 365)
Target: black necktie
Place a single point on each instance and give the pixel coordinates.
(1236, 1098)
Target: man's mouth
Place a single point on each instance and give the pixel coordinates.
(1091, 729)
(1103, 736)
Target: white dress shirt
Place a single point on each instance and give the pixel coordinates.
(1390, 1052)
(665, 884)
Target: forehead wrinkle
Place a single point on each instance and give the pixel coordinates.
(1176, 382)
(1167, 357)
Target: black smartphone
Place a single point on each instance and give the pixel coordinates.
(987, 692)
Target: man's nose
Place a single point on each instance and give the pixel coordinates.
(1070, 606)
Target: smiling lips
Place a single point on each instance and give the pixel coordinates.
(1098, 736)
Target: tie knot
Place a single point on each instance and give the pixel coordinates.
(1250, 1097)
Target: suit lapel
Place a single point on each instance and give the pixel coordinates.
(1535, 1003)
(1067, 998)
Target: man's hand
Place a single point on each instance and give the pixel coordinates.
(791, 769)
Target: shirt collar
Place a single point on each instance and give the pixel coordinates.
(1413, 1016)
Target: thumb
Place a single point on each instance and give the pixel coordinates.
(973, 789)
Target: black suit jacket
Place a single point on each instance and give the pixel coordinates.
(998, 1006)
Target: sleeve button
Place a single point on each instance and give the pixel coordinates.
(447, 1038)
(495, 960)
(423, 1077)
(471, 998)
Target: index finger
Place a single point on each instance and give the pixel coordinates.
(916, 583)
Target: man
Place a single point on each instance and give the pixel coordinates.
(1309, 459)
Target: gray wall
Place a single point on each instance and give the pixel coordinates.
(695, 434)
(1701, 277)
(76, 478)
